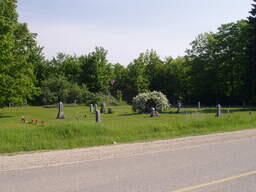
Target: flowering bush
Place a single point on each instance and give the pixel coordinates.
(145, 101)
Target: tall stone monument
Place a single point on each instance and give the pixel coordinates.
(218, 113)
(103, 108)
(91, 108)
(98, 117)
(60, 114)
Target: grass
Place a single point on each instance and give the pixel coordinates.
(80, 130)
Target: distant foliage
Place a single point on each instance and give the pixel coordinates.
(145, 101)
(100, 98)
(57, 89)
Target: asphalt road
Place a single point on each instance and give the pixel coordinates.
(228, 166)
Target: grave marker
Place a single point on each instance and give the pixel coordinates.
(218, 113)
(179, 106)
(103, 108)
(98, 117)
(91, 108)
(110, 110)
(153, 112)
(60, 114)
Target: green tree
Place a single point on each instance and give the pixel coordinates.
(18, 50)
(137, 81)
(201, 71)
(174, 79)
(119, 81)
(218, 63)
(153, 69)
(96, 71)
(231, 54)
(55, 89)
(252, 53)
(65, 65)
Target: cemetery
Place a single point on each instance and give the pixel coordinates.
(68, 101)
(63, 126)
(114, 96)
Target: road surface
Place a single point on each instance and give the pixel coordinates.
(215, 163)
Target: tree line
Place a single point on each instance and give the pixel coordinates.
(218, 67)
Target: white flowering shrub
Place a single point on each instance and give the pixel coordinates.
(145, 101)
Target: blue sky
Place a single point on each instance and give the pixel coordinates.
(126, 28)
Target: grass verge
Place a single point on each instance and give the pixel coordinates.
(121, 127)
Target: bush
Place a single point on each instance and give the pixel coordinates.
(145, 101)
(100, 98)
(54, 89)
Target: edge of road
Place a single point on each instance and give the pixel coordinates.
(41, 159)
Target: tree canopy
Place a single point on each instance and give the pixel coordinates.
(218, 67)
(252, 52)
(18, 53)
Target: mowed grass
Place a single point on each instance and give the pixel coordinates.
(79, 129)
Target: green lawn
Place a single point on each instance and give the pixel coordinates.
(79, 128)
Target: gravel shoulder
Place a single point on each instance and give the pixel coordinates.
(66, 157)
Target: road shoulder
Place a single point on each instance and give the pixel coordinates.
(66, 157)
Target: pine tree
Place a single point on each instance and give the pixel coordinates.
(252, 52)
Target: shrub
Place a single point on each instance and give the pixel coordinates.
(98, 98)
(54, 89)
(101, 98)
(144, 101)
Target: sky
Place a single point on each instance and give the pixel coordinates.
(126, 28)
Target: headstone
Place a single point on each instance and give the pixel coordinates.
(75, 101)
(95, 107)
(178, 106)
(91, 108)
(103, 108)
(153, 112)
(218, 113)
(199, 105)
(98, 117)
(60, 114)
(110, 110)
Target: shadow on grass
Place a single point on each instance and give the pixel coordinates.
(5, 116)
(228, 110)
(130, 114)
(225, 110)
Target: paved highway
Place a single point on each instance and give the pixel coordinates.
(222, 166)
